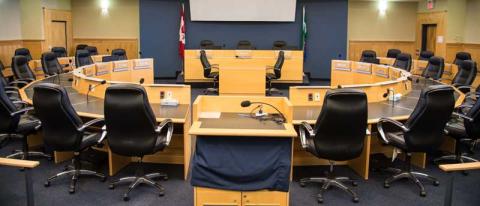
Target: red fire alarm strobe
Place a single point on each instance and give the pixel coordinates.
(430, 4)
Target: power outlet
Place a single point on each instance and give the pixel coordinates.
(310, 97)
(162, 94)
(169, 94)
(316, 97)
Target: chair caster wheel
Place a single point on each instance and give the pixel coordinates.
(302, 183)
(423, 193)
(47, 184)
(71, 190)
(111, 186)
(103, 179)
(386, 185)
(165, 178)
(320, 200)
(126, 198)
(161, 194)
(436, 183)
(356, 199)
(354, 183)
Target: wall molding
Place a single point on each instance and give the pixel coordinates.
(355, 47)
(106, 45)
(7, 48)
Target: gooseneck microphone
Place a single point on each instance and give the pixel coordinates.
(90, 87)
(385, 95)
(248, 103)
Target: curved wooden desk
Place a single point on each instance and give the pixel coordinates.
(78, 82)
(307, 101)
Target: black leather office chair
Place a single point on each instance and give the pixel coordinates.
(15, 122)
(462, 56)
(338, 135)
(83, 58)
(434, 68)
(59, 51)
(403, 61)
(21, 70)
(465, 129)
(422, 132)
(50, 64)
(137, 137)
(245, 45)
(63, 130)
(92, 50)
(119, 54)
(80, 47)
(369, 56)
(392, 53)
(276, 74)
(425, 55)
(23, 52)
(467, 71)
(210, 71)
(279, 45)
(11, 88)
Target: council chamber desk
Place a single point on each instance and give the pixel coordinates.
(81, 79)
(240, 160)
(379, 82)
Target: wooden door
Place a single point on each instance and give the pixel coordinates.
(265, 198)
(216, 197)
(58, 33)
(429, 37)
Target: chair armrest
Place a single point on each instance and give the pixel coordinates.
(104, 135)
(391, 121)
(11, 92)
(11, 88)
(18, 83)
(22, 111)
(306, 132)
(25, 80)
(214, 67)
(90, 123)
(462, 116)
(470, 94)
(168, 136)
(465, 106)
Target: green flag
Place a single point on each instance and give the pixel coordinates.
(304, 34)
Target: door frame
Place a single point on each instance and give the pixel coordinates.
(438, 18)
(54, 15)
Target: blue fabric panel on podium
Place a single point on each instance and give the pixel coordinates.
(242, 163)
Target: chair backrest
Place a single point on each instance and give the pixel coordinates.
(59, 51)
(3, 80)
(21, 69)
(60, 122)
(403, 61)
(92, 50)
(467, 71)
(473, 127)
(8, 123)
(462, 56)
(82, 58)
(278, 45)
(244, 44)
(23, 52)
(120, 54)
(434, 68)
(206, 44)
(50, 64)
(427, 121)
(392, 53)
(369, 56)
(130, 120)
(207, 68)
(80, 47)
(341, 126)
(277, 68)
(425, 55)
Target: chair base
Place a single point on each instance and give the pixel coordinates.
(411, 176)
(18, 154)
(137, 180)
(458, 158)
(75, 174)
(327, 182)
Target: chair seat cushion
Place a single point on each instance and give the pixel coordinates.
(27, 125)
(456, 129)
(89, 140)
(397, 140)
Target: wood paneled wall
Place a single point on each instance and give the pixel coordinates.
(355, 48)
(105, 46)
(50, 15)
(453, 48)
(7, 49)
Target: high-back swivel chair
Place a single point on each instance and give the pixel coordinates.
(403, 61)
(59, 51)
(119, 54)
(461, 56)
(82, 58)
(21, 70)
(434, 68)
(92, 50)
(245, 45)
(338, 135)
(139, 135)
(425, 55)
(276, 74)
(11, 87)
(210, 71)
(422, 132)
(467, 72)
(63, 130)
(369, 56)
(279, 45)
(392, 53)
(23, 52)
(50, 64)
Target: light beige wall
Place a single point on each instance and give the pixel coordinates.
(122, 21)
(472, 22)
(366, 23)
(456, 20)
(57, 4)
(32, 19)
(10, 20)
(440, 5)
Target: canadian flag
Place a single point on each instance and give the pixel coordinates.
(181, 34)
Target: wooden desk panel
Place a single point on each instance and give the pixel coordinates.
(242, 81)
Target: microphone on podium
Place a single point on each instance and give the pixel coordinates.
(90, 87)
(248, 103)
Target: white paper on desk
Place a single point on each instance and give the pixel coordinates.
(209, 115)
(395, 153)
